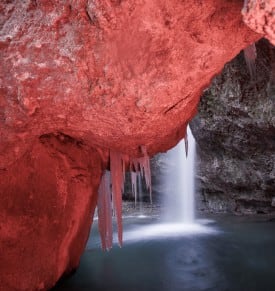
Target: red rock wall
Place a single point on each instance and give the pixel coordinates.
(111, 75)
(46, 206)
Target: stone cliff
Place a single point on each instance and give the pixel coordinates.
(235, 132)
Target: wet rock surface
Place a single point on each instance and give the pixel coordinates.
(235, 134)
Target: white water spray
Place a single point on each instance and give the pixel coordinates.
(179, 182)
(179, 189)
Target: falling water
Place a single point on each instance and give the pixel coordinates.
(179, 182)
(176, 184)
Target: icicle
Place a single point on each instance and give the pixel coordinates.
(186, 143)
(116, 166)
(111, 201)
(104, 205)
(140, 192)
(135, 165)
(123, 170)
(250, 55)
(134, 185)
(147, 171)
(144, 165)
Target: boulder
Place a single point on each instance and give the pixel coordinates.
(46, 207)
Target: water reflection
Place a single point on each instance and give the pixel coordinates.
(191, 267)
(239, 257)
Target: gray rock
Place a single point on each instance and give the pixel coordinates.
(235, 133)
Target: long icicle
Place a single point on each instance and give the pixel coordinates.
(134, 185)
(104, 205)
(111, 201)
(145, 164)
(116, 167)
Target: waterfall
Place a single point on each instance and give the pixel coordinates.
(179, 182)
(176, 184)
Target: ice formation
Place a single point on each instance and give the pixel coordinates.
(111, 189)
(104, 204)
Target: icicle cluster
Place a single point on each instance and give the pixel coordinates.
(141, 166)
(117, 167)
(111, 189)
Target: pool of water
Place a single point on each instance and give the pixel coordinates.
(227, 253)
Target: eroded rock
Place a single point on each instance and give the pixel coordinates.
(110, 73)
(235, 132)
(259, 15)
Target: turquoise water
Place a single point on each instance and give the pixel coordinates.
(229, 253)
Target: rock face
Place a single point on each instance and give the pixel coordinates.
(259, 16)
(111, 73)
(235, 132)
(46, 205)
(78, 78)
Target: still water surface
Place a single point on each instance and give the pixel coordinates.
(230, 253)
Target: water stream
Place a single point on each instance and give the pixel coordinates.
(178, 181)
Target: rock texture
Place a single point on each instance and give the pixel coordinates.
(235, 132)
(103, 74)
(111, 73)
(259, 15)
(46, 205)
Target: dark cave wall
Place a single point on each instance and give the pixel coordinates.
(235, 134)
